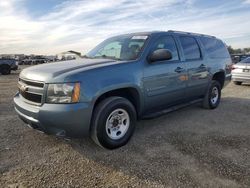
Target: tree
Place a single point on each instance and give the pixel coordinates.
(246, 50)
(230, 49)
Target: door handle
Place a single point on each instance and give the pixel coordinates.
(202, 66)
(179, 70)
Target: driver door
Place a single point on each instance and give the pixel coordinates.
(164, 81)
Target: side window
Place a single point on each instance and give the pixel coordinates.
(190, 48)
(214, 47)
(167, 42)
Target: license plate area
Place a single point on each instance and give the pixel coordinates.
(246, 70)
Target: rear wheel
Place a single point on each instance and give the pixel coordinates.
(237, 83)
(212, 98)
(5, 69)
(113, 122)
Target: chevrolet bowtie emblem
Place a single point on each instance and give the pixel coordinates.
(23, 88)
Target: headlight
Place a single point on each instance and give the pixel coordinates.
(63, 93)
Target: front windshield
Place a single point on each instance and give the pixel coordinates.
(119, 48)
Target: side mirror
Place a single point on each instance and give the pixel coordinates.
(160, 55)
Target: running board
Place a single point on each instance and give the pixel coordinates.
(171, 109)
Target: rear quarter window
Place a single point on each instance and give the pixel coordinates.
(215, 48)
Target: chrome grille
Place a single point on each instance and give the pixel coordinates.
(31, 91)
(32, 83)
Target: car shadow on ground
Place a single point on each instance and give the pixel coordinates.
(185, 147)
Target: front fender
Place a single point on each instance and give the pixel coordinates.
(139, 100)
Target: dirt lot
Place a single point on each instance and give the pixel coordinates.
(192, 147)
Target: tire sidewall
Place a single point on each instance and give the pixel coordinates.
(102, 117)
(214, 84)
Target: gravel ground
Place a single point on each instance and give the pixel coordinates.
(192, 147)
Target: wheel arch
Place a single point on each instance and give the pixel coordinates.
(220, 77)
(131, 93)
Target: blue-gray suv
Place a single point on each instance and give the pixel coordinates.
(123, 79)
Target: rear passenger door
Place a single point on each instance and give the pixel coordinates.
(196, 65)
(164, 81)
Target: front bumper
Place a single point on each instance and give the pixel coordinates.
(67, 120)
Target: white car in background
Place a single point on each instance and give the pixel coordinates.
(241, 72)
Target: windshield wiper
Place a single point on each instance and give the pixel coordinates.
(88, 57)
(107, 57)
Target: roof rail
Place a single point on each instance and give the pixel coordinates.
(190, 33)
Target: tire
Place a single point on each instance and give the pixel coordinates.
(213, 96)
(5, 69)
(103, 131)
(237, 83)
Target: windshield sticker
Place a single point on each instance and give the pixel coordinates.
(140, 37)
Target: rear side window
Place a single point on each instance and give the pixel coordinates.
(190, 48)
(214, 47)
(167, 42)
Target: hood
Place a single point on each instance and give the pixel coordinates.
(48, 71)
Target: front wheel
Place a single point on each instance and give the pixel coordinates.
(113, 122)
(213, 95)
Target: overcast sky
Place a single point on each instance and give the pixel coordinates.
(54, 26)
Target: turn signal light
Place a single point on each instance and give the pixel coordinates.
(76, 93)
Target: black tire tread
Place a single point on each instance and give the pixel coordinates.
(5, 69)
(206, 101)
(97, 113)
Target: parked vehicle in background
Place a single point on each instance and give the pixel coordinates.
(38, 61)
(27, 62)
(236, 58)
(125, 78)
(241, 72)
(20, 62)
(33, 61)
(6, 65)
